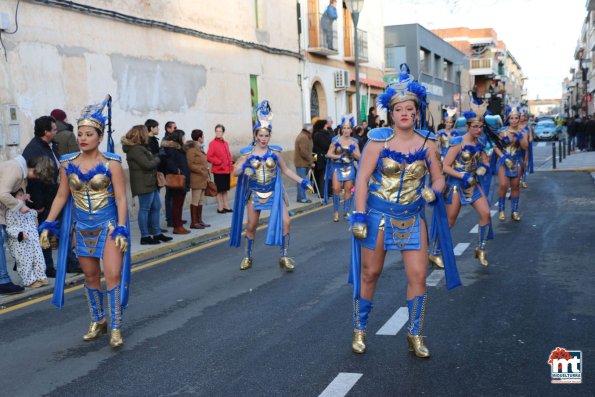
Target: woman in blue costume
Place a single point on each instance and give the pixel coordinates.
(343, 154)
(509, 164)
(464, 165)
(260, 188)
(528, 160)
(448, 132)
(92, 199)
(390, 201)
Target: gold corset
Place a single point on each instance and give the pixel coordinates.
(266, 171)
(347, 158)
(444, 140)
(93, 195)
(390, 183)
(513, 147)
(467, 161)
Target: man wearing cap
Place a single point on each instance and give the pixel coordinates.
(64, 138)
(303, 159)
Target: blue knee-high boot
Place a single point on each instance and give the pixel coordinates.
(480, 251)
(514, 204)
(115, 311)
(247, 261)
(501, 208)
(415, 339)
(286, 262)
(435, 256)
(98, 324)
(361, 311)
(336, 201)
(347, 206)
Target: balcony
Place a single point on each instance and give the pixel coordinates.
(362, 38)
(483, 67)
(322, 40)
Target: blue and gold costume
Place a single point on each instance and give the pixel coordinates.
(395, 205)
(445, 138)
(467, 162)
(511, 161)
(344, 168)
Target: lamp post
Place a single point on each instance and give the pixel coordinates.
(356, 7)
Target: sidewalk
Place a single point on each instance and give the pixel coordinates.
(576, 161)
(220, 225)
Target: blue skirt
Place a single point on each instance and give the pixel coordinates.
(345, 171)
(466, 196)
(91, 230)
(262, 196)
(401, 224)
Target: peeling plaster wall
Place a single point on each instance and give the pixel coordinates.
(65, 59)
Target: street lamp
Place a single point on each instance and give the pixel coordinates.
(584, 64)
(356, 7)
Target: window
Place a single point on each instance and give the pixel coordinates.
(448, 69)
(437, 66)
(394, 56)
(314, 105)
(260, 14)
(424, 61)
(253, 95)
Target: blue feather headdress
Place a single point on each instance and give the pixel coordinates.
(450, 113)
(92, 116)
(348, 118)
(404, 88)
(263, 115)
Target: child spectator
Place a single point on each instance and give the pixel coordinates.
(23, 243)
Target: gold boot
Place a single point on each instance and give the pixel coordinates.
(287, 263)
(481, 255)
(115, 339)
(436, 261)
(336, 216)
(524, 185)
(358, 343)
(246, 264)
(501, 216)
(95, 330)
(418, 346)
(515, 216)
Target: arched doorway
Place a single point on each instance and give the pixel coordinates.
(318, 103)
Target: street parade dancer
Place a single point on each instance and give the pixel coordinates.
(528, 158)
(341, 169)
(448, 132)
(509, 165)
(92, 200)
(259, 188)
(390, 209)
(464, 165)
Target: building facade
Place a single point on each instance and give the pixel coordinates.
(197, 63)
(328, 70)
(439, 66)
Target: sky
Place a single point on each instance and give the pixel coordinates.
(540, 34)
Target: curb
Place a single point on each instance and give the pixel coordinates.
(155, 252)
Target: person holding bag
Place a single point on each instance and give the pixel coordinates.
(177, 175)
(199, 177)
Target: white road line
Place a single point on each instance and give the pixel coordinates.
(541, 144)
(492, 213)
(460, 248)
(341, 385)
(475, 228)
(434, 278)
(395, 323)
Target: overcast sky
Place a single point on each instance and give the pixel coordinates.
(540, 34)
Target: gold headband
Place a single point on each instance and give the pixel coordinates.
(403, 96)
(91, 123)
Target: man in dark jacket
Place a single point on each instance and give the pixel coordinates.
(43, 194)
(64, 138)
(321, 142)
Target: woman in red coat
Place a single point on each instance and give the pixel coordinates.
(222, 164)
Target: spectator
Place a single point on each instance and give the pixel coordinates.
(579, 129)
(14, 175)
(142, 167)
(302, 157)
(326, 22)
(64, 138)
(222, 163)
(377, 122)
(321, 141)
(170, 127)
(372, 117)
(23, 242)
(329, 127)
(42, 194)
(199, 175)
(174, 159)
(590, 134)
(153, 128)
(365, 127)
(362, 137)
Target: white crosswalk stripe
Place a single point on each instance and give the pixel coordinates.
(395, 323)
(341, 385)
(434, 278)
(475, 229)
(460, 248)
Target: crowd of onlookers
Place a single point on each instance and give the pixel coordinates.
(582, 132)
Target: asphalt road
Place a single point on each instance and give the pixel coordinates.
(197, 325)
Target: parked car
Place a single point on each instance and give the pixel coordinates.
(546, 130)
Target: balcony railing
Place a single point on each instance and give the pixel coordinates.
(362, 38)
(483, 66)
(322, 38)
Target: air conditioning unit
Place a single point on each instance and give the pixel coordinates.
(341, 79)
